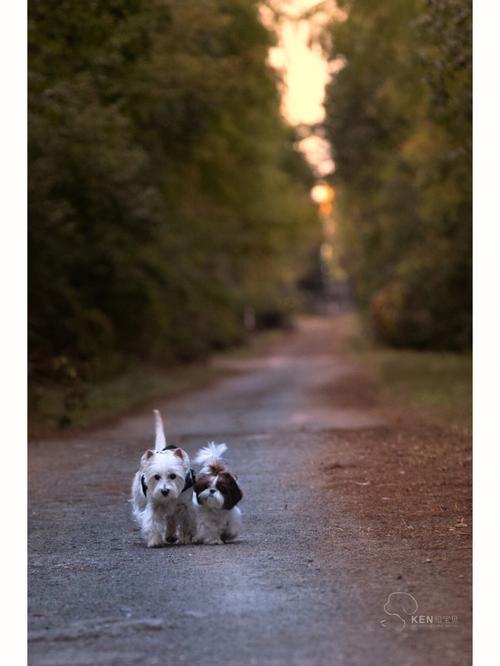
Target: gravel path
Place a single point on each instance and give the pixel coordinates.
(307, 582)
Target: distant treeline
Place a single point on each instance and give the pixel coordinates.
(166, 197)
(399, 118)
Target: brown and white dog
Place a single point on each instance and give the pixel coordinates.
(216, 494)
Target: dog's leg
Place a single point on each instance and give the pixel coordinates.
(198, 536)
(171, 529)
(232, 529)
(206, 533)
(184, 531)
(199, 533)
(191, 523)
(153, 526)
(187, 524)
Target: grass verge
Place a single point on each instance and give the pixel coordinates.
(438, 383)
(54, 409)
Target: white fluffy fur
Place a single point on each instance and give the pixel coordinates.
(165, 512)
(211, 453)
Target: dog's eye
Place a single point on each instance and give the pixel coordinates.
(172, 476)
(157, 477)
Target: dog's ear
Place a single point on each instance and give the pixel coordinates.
(180, 454)
(147, 455)
(232, 492)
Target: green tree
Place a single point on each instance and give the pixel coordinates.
(399, 119)
(165, 192)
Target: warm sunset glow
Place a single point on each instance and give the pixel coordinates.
(322, 193)
(304, 72)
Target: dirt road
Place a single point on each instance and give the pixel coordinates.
(341, 510)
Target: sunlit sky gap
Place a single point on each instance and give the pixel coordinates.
(304, 72)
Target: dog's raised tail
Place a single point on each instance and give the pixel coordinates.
(160, 441)
(211, 453)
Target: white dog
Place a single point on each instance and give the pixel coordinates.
(162, 493)
(217, 493)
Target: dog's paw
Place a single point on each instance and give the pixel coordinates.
(155, 542)
(228, 537)
(208, 541)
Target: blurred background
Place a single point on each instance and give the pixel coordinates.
(199, 171)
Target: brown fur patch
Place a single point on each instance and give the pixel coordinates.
(226, 484)
(216, 468)
(201, 484)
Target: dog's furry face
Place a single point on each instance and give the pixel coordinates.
(218, 491)
(164, 474)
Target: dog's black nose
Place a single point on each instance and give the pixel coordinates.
(165, 492)
(212, 491)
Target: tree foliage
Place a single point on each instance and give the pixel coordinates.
(399, 119)
(165, 193)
